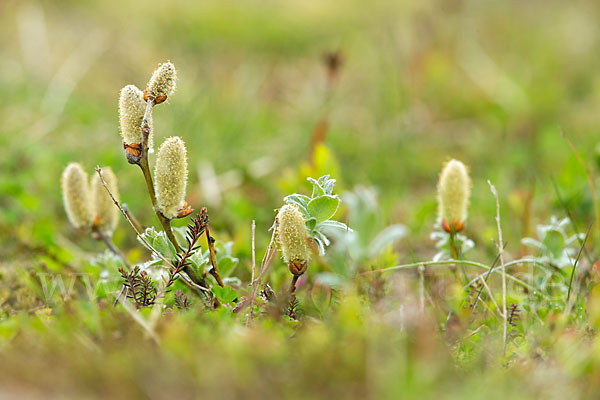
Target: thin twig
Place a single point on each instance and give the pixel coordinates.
(501, 255)
(252, 282)
(110, 245)
(465, 262)
(139, 235)
(214, 271)
(576, 261)
(571, 219)
(422, 289)
(133, 218)
(293, 283)
(489, 291)
(487, 276)
(264, 265)
(587, 175)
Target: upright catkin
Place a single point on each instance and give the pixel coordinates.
(170, 174)
(454, 190)
(292, 235)
(107, 214)
(76, 196)
(132, 107)
(162, 84)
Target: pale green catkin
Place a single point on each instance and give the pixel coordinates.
(163, 82)
(454, 190)
(76, 196)
(292, 235)
(131, 114)
(170, 176)
(107, 214)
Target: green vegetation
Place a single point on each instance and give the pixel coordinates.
(289, 242)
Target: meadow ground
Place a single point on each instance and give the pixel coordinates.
(270, 93)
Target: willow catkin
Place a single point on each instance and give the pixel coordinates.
(454, 190)
(76, 196)
(170, 175)
(162, 83)
(293, 238)
(132, 107)
(106, 213)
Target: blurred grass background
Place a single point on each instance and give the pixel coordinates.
(489, 83)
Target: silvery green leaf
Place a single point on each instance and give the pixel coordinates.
(322, 180)
(330, 279)
(334, 224)
(324, 238)
(300, 200)
(532, 242)
(386, 237)
(320, 245)
(323, 207)
(328, 186)
(232, 281)
(317, 189)
(311, 223)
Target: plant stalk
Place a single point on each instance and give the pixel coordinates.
(143, 163)
(98, 234)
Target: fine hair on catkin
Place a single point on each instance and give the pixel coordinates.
(162, 83)
(292, 235)
(170, 174)
(76, 196)
(454, 190)
(132, 107)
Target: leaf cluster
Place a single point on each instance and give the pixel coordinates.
(318, 210)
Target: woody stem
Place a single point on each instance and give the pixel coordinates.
(144, 165)
(214, 271)
(293, 283)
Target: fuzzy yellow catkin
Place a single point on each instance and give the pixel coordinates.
(162, 83)
(107, 214)
(292, 235)
(454, 190)
(170, 176)
(131, 114)
(76, 196)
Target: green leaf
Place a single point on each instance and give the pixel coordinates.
(322, 180)
(225, 294)
(164, 246)
(317, 189)
(323, 207)
(227, 265)
(321, 296)
(554, 242)
(311, 223)
(159, 241)
(320, 245)
(335, 224)
(298, 199)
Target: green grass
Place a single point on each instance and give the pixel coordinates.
(491, 84)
